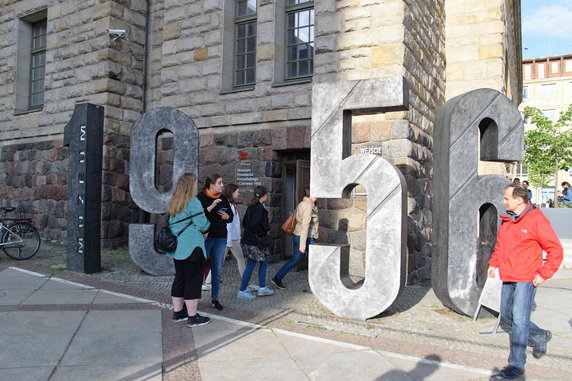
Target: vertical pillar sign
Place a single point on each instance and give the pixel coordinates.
(334, 173)
(84, 136)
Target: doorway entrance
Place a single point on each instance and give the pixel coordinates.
(295, 176)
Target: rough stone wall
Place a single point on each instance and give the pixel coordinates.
(484, 51)
(34, 178)
(186, 72)
(424, 62)
(483, 46)
(187, 64)
(83, 64)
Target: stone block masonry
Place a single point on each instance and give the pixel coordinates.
(34, 179)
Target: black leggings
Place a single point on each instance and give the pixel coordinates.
(189, 276)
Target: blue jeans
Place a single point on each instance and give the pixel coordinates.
(215, 247)
(250, 265)
(516, 306)
(296, 257)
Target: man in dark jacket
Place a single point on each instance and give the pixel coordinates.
(522, 237)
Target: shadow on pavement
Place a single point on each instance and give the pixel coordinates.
(424, 368)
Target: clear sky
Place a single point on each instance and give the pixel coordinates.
(546, 27)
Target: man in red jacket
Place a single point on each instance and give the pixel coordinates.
(522, 237)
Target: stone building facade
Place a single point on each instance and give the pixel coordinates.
(252, 104)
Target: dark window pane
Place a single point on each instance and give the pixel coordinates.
(292, 53)
(250, 74)
(240, 46)
(303, 52)
(304, 68)
(37, 99)
(291, 20)
(241, 8)
(251, 29)
(292, 69)
(240, 62)
(239, 77)
(251, 45)
(250, 60)
(291, 37)
(241, 30)
(245, 8)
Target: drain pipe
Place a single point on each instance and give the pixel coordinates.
(142, 215)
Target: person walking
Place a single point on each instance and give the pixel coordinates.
(255, 245)
(305, 234)
(219, 213)
(234, 232)
(525, 184)
(521, 239)
(189, 257)
(566, 193)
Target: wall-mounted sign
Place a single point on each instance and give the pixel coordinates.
(245, 176)
(371, 150)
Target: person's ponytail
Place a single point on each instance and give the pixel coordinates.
(259, 192)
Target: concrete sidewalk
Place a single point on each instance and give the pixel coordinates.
(53, 329)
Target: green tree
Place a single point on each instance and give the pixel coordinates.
(548, 146)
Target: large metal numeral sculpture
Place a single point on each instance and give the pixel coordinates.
(142, 178)
(334, 172)
(459, 193)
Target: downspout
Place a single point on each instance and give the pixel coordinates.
(142, 215)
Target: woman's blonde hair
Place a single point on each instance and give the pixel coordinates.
(185, 191)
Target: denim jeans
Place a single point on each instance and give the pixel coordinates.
(250, 265)
(296, 256)
(516, 306)
(215, 247)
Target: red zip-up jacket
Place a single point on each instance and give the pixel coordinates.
(518, 252)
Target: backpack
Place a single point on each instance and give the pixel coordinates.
(165, 240)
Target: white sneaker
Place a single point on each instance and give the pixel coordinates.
(252, 287)
(206, 287)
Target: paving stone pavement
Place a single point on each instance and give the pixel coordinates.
(416, 325)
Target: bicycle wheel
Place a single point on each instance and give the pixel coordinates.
(21, 241)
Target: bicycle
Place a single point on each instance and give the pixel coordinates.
(20, 240)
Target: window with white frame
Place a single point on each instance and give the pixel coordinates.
(521, 170)
(245, 43)
(568, 66)
(299, 38)
(548, 90)
(31, 62)
(527, 71)
(554, 67)
(540, 70)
